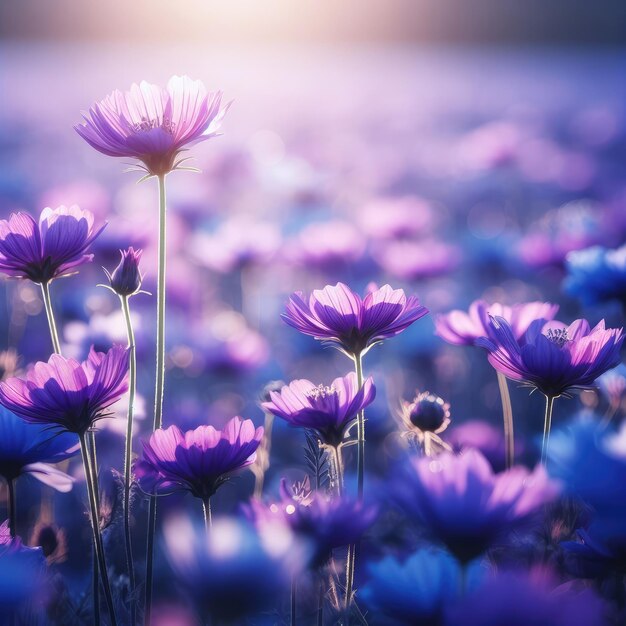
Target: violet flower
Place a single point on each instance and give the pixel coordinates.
(424, 419)
(30, 448)
(153, 124)
(52, 248)
(338, 315)
(198, 461)
(329, 410)
(463, 329)
(552, 357)
(464, 505)
(66, 394)
(125, 280)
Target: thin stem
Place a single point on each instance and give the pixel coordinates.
(338, 459)
(45, 292)
(294, 595)
(93, 455)
(128, 451)
(95, 527)
(358, 366)
(206, 510)
(507, 415)
(11, 505)
(547, 424)
(350, 563)
(160, 338)
(95, 587)
(160, 381)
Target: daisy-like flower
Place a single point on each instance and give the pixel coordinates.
(66, 394)
(552, 357)
(30, 448)
(464, 505)
(154, 124)
(338, 315)
(463, 329)
(199, 460)
(329, 410)
(52, 248)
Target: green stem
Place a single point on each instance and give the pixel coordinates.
(206, 510)
(507, 414)
(45, 291)
(128, 451)
(95, 526)
(547, 424)
(160, 381)
(12, 510)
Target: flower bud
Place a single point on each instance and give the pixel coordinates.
(126, 277)
(428, 412)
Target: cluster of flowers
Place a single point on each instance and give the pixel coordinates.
(470, 522)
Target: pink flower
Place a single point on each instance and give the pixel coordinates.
(153, 124)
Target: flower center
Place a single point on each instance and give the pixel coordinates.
(558, 336)
(147, 125)
(321, 391)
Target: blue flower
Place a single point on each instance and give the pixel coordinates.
(596, 275)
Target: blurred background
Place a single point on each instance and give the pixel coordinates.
(456, 149)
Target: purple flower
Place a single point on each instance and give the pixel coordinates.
(552, 357)
(338, 315)
(29, 448)
(323, 522)
(55, 247)
(330, 411)
(152, 124)
(464, 505)
(463, 329)
(517, 599)
(427, 412)
(125, 280)
(198, 460)
(67, 394)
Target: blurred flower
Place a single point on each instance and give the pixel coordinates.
(152, 124)
(125, 280)
(424, 419)
(486, 438)
(50, 249)
(596, 275)
(236, 244)
(199, 460)
(339, 316)
(233, 572)
(30, 448)
(66, 394)
(552, 357)
(396, 218)
(416, 591)
(516, 599)
(323, 522)
(329, 410)
(22, 577)
(325, 245)
(464, 505)
(463, 329)
(51, 540)
(613, 385)
(8, 363)
(417, 260)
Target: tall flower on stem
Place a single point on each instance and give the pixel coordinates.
(51, 248)
(125, 281)
(154, 125)
(424, 418)
(328, 410)
(464, 329)
(553, 358)
(69, 396)
(339, 316)
(198, 461)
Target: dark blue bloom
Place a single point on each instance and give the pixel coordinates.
(596, 275)
(29, 448)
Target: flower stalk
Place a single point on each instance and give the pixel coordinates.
(507, 415)
(45, 292)
(547, 424)
(206, 510)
